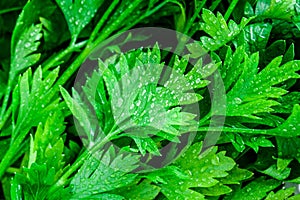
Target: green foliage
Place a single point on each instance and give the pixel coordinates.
(29, 42)
(103, 173)
(220, 32)
(135, 98)
(45, 162)
(78, 13)
(253, 97)
(257, 189)
(220, 120)
(206, 174)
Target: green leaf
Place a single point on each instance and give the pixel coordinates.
(103, 172)
(32, 103)
(4, 143)
(236, 175)
(144, 190)
(48, 146)
(24, 55)
(31, 91)
(256, 189)
(205, 174)
(136, 104)
(55, 30)
(287, 102)
(29, 16)
(291, 127)
(275, 173)
(219, 31)
(78, 13)
(36, 183)
(277, 9)
(82, 113)
(288, 148)
(257, 35)
(254, 91)
(215, 190)
(239, 141)
(281, 194)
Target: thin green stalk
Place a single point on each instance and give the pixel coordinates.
(147, 14)
(79, 162)
(115, 25)
(4, 11)
(233, 130)
(183, 40)
(6, 97)
(86, 52)
(16, 143)
(70, 70)
(230, 9)
(214, 5)
(205, 118)
(242, 153)
(6, 117)
(51, 62)
(10, 154)
(13, 170)
(194, 17)
(102, 21)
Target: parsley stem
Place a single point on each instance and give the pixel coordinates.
(79, 162)
(147, 14)
(214, 5)
(6, 117)
(52, 60)
(117, 23)
(102, 21)
(205, 118)
(234, 130)
(11, 152)
(108, 30)
(4, 11)
(13, 170)
(6, 97)
(194, 17)
(230, 9)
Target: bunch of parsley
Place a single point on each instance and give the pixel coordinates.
(45, 153)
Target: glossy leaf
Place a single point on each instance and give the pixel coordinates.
(206, 174)
(219, 31)
(256, 189)
(280, 9)
(102, 173)
(252, 92)
(24, 55)
(78, 13)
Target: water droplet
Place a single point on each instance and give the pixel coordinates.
(237, 100)
(27, 44)
(138, 103)
(120, 102)
(71, 19)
